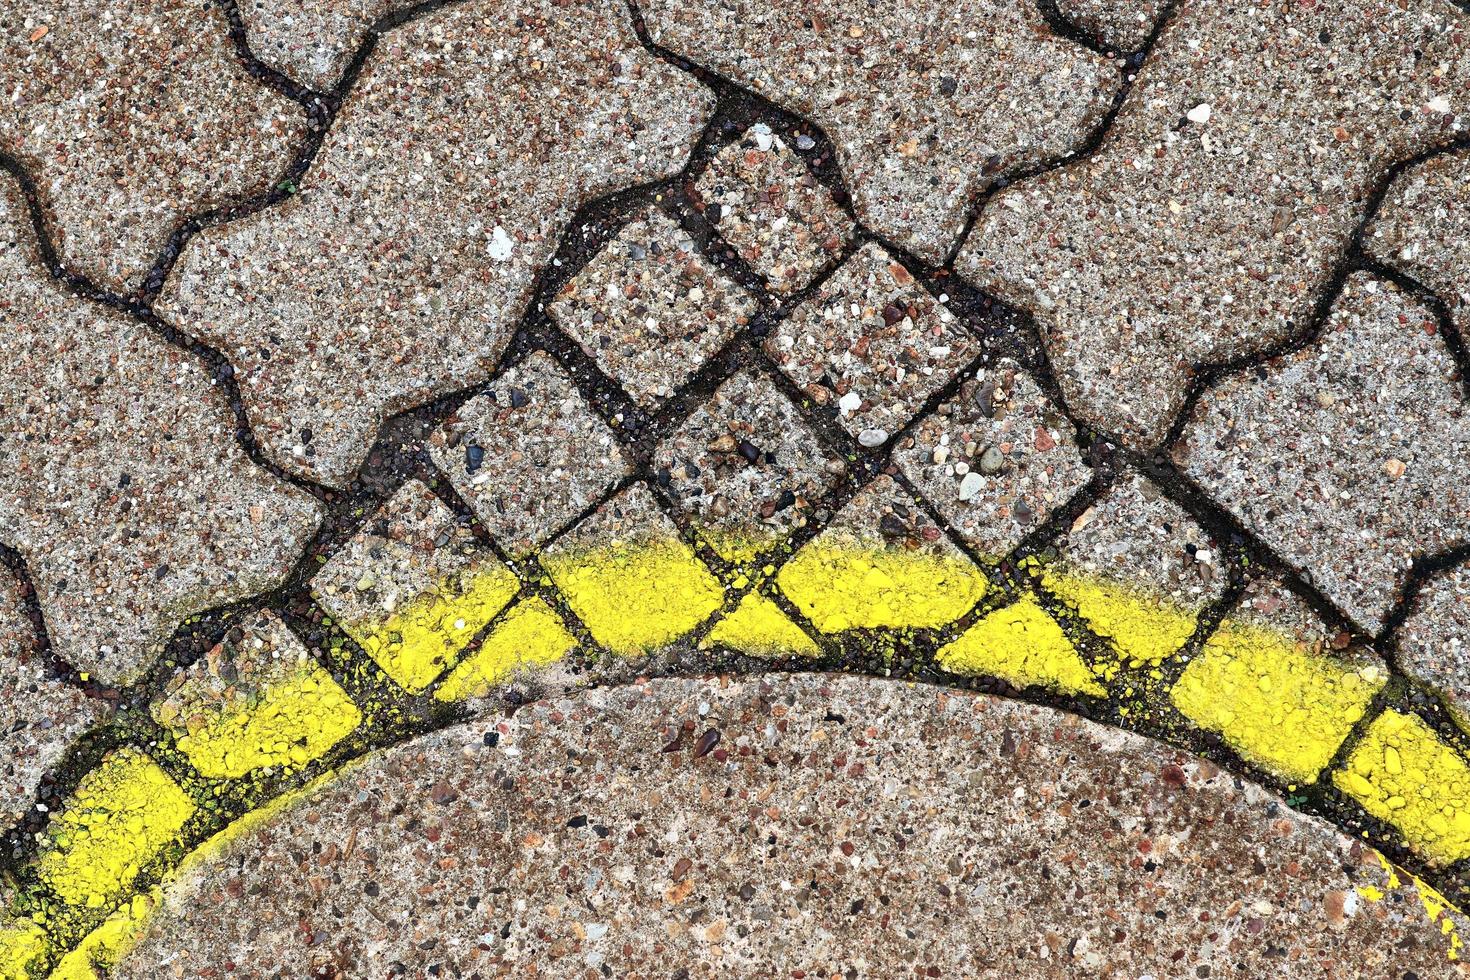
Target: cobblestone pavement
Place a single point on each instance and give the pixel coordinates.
(392, 389)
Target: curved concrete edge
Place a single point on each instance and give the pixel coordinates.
(832, 826)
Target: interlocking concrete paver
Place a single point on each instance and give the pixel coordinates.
(1224, 195)
(758, 627)
(414, 587)
(928, 104)
(531, 634)
(650, 309)
(996, 460)
(121, 483)
(872, 343)
(1138, 569)
(1350, 456)
(1124, 24)
(746, 468)
(131, 117)
(311, 42)
(843, 826)
(529, 454)
(40, 716)
(1423, 225)
(1024, 645)
(1434, 641)
(400, 269)
(771, 208)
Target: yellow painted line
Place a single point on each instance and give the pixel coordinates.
(842, 588)
(22, 948)
(1023, 645)
(106, 945)
(1284, 708)
(1441, 911)
(1403, 774)
(1145, 629)
(758, 628)
(530, 635)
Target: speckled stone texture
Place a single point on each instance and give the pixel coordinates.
(311, 40)
(928, 103)
(132, 116)
(746, 467)
(1208, 223)
(841, 826)
(399, 271)
(872, 343)
(1123, 24)
(1349, 457)
(1434, 642)
(121, 483)
(770, 207)
(1423, 227)
(528, 454)
(996, 460)
(39, 715)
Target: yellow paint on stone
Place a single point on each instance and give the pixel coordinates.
(1146, 629)
(758, 628)
(636, 596)
(1439, 909)
(104, 946)
(287, 723)
(1025, 646)
(121, 816)
(22, 947)
(531, 633)
(1403, 774)
(417, 643)
(1277, 703)
(849, 587)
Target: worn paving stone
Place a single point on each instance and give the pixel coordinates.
(1434, 641)
(1422, 228)
(996, 460)
(311, 42)
(399, 271)
(132, 117)
(414, 586)
(1124, 24)
(928, 105)
(746, 468)
(121, 483)
(1138, 569)
(1212, 217)
(650, 309)
(898, 832)
(873, 343)
(39, 715)
(1348, 457)
(771, 208)
(528, 454)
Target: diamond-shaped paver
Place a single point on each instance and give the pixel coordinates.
(132, 116)
(996, 460)
(1349, 457)
(746, 468)
(414, 587)
(872, 343)
(1434, 641)
(928, 102)
(121, 481)
(1423, 227)
(881, 565)
(255, 699)
(650, 309)
(629, 576)
(528, 454)
(1223, 198)
(1138, 570)
(311, 42)
(1022, 644)
(39, 715)
(766, 203)
(401, 268)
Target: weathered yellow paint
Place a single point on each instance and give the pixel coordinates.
(22, 947)
(417, 643)
(1403, 774)
(851, 587)
(286, 723)
(122, 815)
(1145, 629)
(1283, 707)
(1025, 646)
(531, 633)
(104, 946)
(1439, 909)
(636, 596)
(758, 628)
